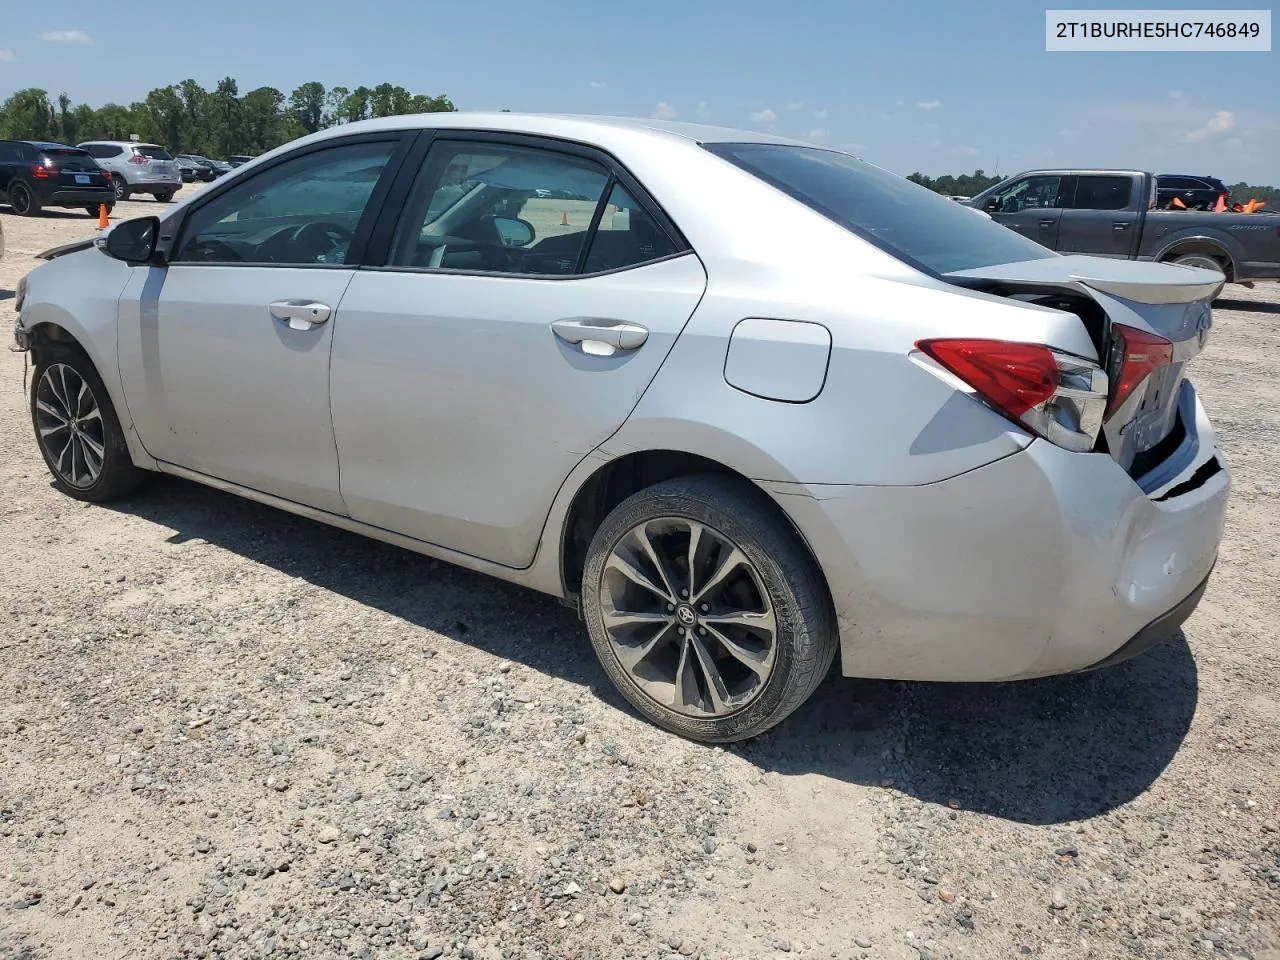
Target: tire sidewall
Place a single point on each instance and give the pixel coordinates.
(120, 187)
(27, 210)
(1201, 260)
(760, 713)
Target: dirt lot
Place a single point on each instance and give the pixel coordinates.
(227, 732)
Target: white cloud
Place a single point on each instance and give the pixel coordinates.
(66, 36)
(963, 151)
(1175, 94)
(1068, 133)
(6, 56)
(820, 114)
(764, 116)
(664, 111)
(1235, 143)
(818, 134)
(795, 105)
(1220, 122)
(928, 104)
(595, 84)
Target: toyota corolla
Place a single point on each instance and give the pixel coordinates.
(748, 404)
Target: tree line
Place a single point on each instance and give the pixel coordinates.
(970, 185)
(186, 118)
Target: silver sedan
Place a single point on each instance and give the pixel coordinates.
(749, 404)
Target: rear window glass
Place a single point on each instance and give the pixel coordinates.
(70, 159)
(910, 222)
(153, 153)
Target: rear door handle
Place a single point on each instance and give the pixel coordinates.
(1047, 223)
(599, 336)
(1120, 225)
(300, 314)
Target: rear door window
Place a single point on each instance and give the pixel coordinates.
(1102, 192)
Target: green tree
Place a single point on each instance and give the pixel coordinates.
(333, 104)
(28, 115)
(307, 105)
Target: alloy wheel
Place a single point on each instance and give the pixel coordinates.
(69, 424)
(688, 617)
(20, 199)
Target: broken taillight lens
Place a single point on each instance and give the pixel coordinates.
(1136, 354)
(1055, 395)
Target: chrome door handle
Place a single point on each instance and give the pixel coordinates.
(1120, 225)
(599, 336)
(1047, 223)
(300, 314)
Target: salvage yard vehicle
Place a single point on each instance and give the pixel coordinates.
(137, 168)
(1112, 213)
(35, 175)
(748, 405)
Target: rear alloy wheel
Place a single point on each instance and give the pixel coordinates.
(120, 187)
(705, 610)
(77, 429)
(22, 200)
(1201, 260)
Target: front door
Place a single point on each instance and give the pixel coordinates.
(1030, 206)
(528, 300)
(224, 354)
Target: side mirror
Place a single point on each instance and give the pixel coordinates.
(514, 231)
(133, 241)
(991, 205)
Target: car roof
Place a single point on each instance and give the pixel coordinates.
(48, 145)
(124, 143)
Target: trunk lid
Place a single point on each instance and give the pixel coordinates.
(1155, 298)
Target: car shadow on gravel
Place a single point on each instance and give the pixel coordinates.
(1036, 751)
(1247, 306)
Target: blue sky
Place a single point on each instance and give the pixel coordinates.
(934, 85)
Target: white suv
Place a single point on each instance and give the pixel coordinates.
(137, 168)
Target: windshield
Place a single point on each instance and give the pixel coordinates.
(153, 153)
(910, 222)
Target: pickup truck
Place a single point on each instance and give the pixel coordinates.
(1111, 213)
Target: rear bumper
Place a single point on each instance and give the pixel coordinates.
(81, 197)
(1157, 631)
(1041, 563)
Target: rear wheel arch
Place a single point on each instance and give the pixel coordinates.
(615, 481)
(1203, 247)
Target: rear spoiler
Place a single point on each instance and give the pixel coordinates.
(66, 248)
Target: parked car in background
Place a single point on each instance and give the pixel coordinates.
(201, 169)
(35, 174)
(1112, 213)
(976, 459)
(220, 166)
(137, 168)
(186, 169)
(238, 160)
(1196, 193)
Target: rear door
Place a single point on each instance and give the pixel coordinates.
(527, 294)
(1103, 218)
(1031, 206)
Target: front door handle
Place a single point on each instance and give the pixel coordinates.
(599, 336)
(1120, 225)
(1047, 223)
(300, 314)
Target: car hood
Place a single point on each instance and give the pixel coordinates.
(1137, 281)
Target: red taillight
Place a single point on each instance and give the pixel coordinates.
(1136, 355)
(138, 158)
(40, 172)
(1013, 376)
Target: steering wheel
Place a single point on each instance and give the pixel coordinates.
(319, 237)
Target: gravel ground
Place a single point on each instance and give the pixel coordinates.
(228, 732)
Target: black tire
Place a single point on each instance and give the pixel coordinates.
(164, 196)
(118, 477)
(23, 200)
(806, 637)
(93, 210)
(1203, 260)
(120, 187)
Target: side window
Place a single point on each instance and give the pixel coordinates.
(1029, 193)
(493, 208)
(1102, 193)
(626, 236)
(8, 152)
(301, 211)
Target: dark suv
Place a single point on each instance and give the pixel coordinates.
(1196, 193)
(35, 175)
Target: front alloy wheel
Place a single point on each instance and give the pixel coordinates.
(69, 426)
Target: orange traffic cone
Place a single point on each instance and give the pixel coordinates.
(102, 216)
(1221, 205)
(564, 218)
(1177, 204)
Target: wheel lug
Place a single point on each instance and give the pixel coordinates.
(683, 592)
(671, 608)
(702, 631)
(680, 631)
(704, 607)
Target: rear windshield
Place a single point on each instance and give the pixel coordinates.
(69, 159)
(910, 222)
(153, 153)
